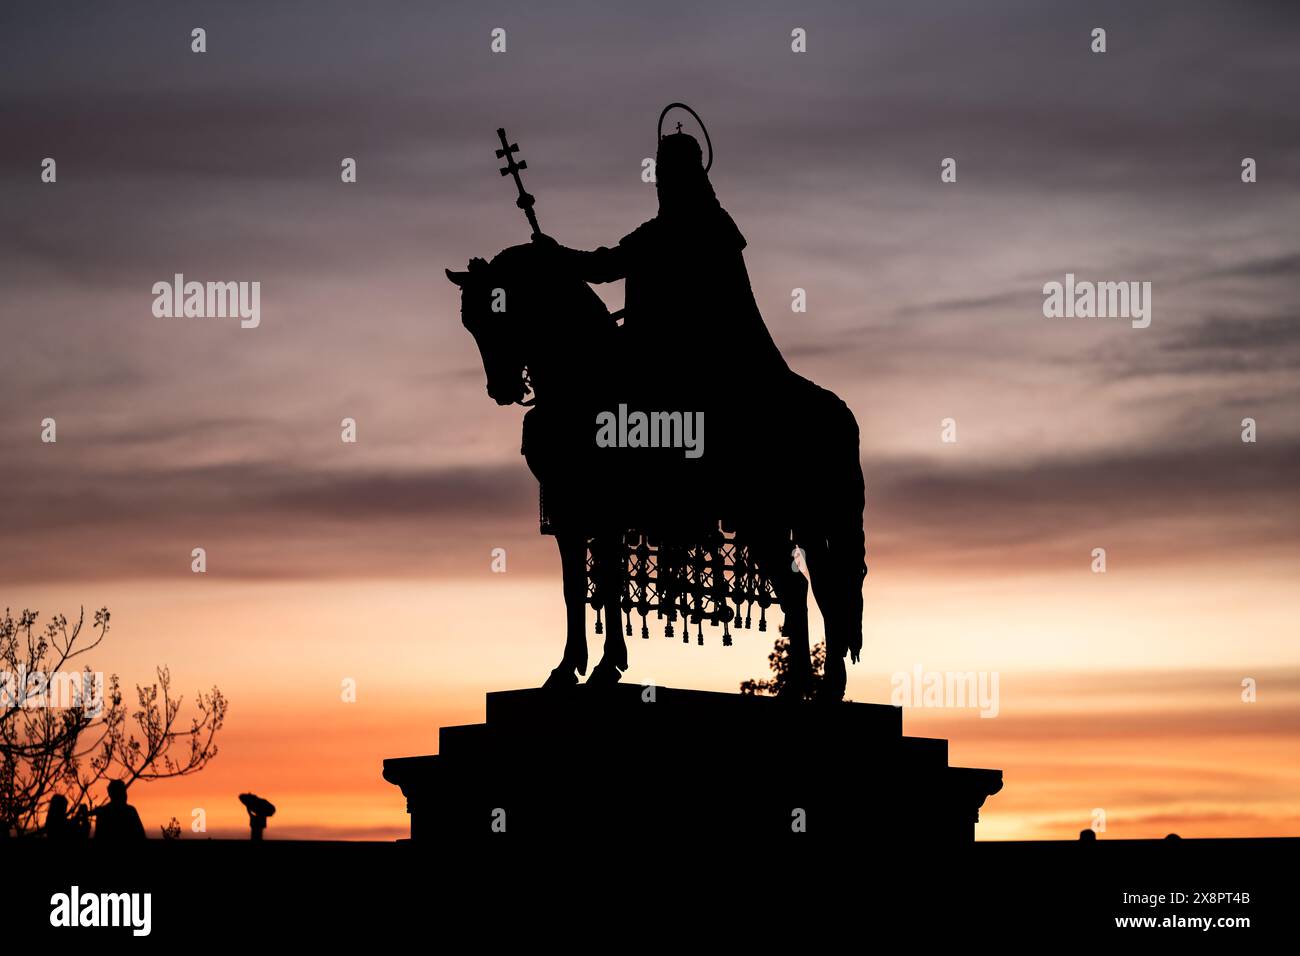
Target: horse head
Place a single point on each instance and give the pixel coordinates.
(484, 300)
(510, 305)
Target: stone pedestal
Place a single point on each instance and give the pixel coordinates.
(633, 762)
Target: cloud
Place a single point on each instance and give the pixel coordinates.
(924, 296)
(1159, 504)
(274, 518)
(1287, 266)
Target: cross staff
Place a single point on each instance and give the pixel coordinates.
(511, 168)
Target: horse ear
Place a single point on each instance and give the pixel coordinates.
(459, 278)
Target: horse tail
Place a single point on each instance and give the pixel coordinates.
(842, 514)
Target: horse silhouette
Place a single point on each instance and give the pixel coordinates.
(782, 470)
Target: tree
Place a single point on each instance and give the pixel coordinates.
(779, 662)
(62, 731)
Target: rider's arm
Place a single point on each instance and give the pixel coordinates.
(600, 265)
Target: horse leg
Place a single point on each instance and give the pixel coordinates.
(610, 566)
(828, 591)
(836, 554)
(844, 564)
(573, 568)
(775, 561)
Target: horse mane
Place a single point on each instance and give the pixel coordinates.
(528, 263)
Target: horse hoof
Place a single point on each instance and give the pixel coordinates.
(833, 684)
(561, 677)
(604, 674)
(793, 691)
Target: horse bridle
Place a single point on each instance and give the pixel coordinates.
(528, 402)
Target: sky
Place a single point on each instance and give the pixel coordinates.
(372, 561)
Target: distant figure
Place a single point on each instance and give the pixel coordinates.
(1088, 836)
(56, 818)
(117, 821)
(258, 810)
(59, 826)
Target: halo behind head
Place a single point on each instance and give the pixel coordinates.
(707, 141)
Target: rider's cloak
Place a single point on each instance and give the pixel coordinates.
(690, 317)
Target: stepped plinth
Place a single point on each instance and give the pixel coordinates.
(636, 761)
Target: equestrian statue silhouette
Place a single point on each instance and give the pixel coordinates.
(648, 516)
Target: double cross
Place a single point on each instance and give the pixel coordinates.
(511, 168)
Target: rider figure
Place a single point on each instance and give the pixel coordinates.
(690, 311)
(695, 340)
(693, 336)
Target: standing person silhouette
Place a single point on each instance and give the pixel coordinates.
(258, 812)
(117, 821)
(61, 827)
(57, 824)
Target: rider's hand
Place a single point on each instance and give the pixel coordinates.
(545, 241)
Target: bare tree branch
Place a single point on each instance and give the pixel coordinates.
(47, 749)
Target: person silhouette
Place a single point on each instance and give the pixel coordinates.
(57, 824)
(117, 821)
(258, 811)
